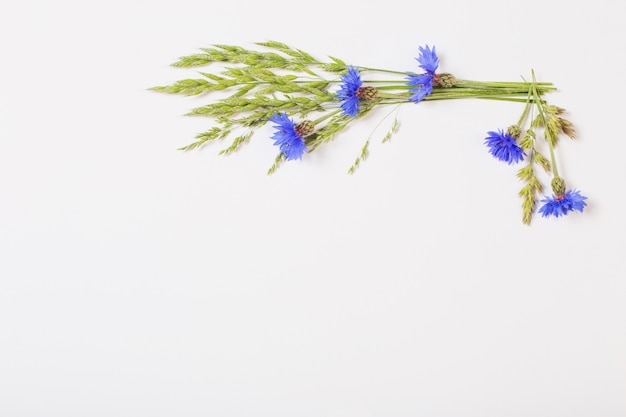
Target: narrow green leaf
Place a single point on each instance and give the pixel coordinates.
(362, 156)
(237, 142)
(277, 162)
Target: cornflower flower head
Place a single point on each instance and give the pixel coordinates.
(561, 205)
(429, 62)
(288, 136)
(502, 146)
(349, 93)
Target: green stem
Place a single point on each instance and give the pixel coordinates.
(539, 103)
(384, 81)
(543, 86)
(526, 108)
(382, 70)
(391, 95)
(469, 91)
(326, 116)
(476, 94)
(514, 100)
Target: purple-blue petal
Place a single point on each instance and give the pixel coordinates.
(423, 83)
(554, 206)
(503, 147)
(286, 137)
(428, 59)
(347, 94)
(420, 79)
(420, 93)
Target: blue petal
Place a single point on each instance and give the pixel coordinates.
(420, 93)
(428, 59)
(286, 137)
(553, 206)
(348, 92)
(420, 79)
(503, 147)
(294, 149)
(350, 106)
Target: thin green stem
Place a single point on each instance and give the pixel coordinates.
(391, 96)
(384, 81)
(526, 108)
(475, 94)
(381, 120)
(429, 98)
(514, 100)
(543, 86)
(326, 116)
(382, 70)
(539, 103)
(468, 91)
(398, 101)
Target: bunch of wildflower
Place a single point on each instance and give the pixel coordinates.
(509, 146)
(310, 101)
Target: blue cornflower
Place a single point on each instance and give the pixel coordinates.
(502, 146)
(561, 205)
(348, 93)
(428, 59)
(287, 137)
(429, 62)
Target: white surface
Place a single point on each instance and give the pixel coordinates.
(141, 281)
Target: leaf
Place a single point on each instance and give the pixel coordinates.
(273, 44)
(230, 48)
(243, 90)
(199, 59)
(212, 76)
(394, 129)
(238, 141)
(543, 161)
(338, 61)
(277, 162)
(188, 87)
(211, 134)
(525, 173)
(362, 156)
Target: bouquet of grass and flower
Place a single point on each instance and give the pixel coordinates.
(309, 102)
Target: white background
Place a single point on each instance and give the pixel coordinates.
(137, 280)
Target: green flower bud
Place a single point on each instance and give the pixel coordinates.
(305, 128)
(367, 93)
(558, 186)
(445, 80)
(514, 131)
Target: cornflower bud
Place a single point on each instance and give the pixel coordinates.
(558, 186)
(445, 80)
(367, 93)
(305, 128)
(514, 131)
